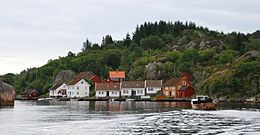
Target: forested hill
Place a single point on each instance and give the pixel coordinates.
(221, 64)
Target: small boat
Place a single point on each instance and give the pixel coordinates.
(45, 99)
(203, 103)
(130, 99)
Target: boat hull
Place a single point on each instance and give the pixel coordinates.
(204, 106)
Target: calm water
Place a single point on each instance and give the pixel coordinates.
(81, 118)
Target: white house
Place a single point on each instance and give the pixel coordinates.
(132, 88)
(78, 88)
(153, 86)
(58, 90)
(107, 90)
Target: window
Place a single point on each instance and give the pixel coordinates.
(102, 92)
(78, 87)
(183, 82)
(99, 92)
(150, 89)
(112, 92)
(77, 93)
(115, 92)
(82, 82)
(86, 93)
(141, 91)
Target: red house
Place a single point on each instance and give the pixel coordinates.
(178, 87)
(116, 76)
(30, 94)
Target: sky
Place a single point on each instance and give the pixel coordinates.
(35, 31)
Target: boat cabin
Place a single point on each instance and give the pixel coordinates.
(201, 99)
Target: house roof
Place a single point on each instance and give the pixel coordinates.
(172, 81)
(88, 75)
(107, 86)
(54, 87)
(154, 83)
(184, 87)
(116, 74)
(74, 81)
(132, 84)
(30, 91)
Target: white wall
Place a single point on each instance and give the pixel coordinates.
(80, 89)
(152, 90)
(126, 92)
(112, 93)
(100, 93)
(140, 91)
(55, 92)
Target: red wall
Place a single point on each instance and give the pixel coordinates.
(96, 79)
(186, 93)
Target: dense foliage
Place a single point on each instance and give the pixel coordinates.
(177, 47)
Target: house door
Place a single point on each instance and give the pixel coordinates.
(107, 93)
(133, 93)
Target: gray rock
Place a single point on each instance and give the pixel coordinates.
(7, 94)
(191, 44)
(64, 76)
(249, 55)
(152, 70)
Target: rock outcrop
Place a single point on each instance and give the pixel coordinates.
(7, 94)
(64, 76)
(152, 70)
(248, 55)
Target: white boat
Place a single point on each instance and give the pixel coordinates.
(45, 99)
(203, 103)
(130, 99)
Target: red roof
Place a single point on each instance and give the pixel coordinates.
(117, 74)
(88, 75)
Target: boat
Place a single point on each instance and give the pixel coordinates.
(130, 99)
(45, 99)
(203, 103)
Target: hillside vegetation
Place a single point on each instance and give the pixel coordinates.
(221, 64)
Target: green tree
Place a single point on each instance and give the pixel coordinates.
(127, 40)
(152, 42)
(112, 58)
(226, 56)
(107, 40)
(86, 45)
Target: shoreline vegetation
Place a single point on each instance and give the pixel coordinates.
(223, 65)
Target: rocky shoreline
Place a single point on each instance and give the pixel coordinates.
(7, 94)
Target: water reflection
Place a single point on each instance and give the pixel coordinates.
(72, 117)
(117, 106)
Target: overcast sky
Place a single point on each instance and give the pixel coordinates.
(34, 31)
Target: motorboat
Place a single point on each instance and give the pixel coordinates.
(203, 103)
(45, 99)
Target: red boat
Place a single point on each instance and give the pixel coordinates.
(203, 103)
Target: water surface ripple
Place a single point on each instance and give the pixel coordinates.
(81, 118)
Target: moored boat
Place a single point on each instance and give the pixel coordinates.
(203, 103)
(45, 99)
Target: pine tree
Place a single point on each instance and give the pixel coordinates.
(86, 45)
(107, 40)
(127, 40)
